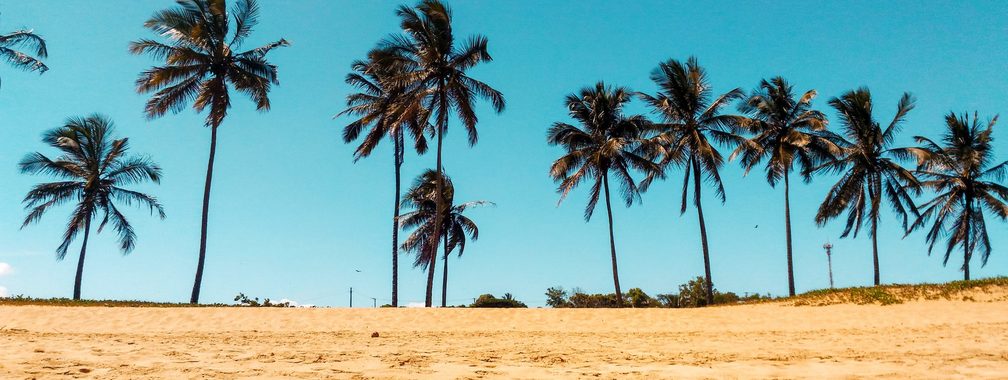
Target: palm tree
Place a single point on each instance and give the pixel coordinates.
(200, 65)
(455, 225)
(387, 110)
(92, 169)
(786, 130)
(607, 141)
(869, 167)
(961, 174)
(691, 119)
(11, 42)
(438, 78)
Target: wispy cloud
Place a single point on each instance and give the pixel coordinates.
(3, 292)
(5, 269)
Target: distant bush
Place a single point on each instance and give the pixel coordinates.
(488, 300)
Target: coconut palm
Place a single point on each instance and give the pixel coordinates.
(785, 130)
(200, 64)
(691, 119)
(961, 173)
(869, 167)
(438, 77)
(455, 225)
(386, 110)
(10, 44)
(93, 169)
(607, 141)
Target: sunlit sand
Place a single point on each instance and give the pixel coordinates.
(920, 339)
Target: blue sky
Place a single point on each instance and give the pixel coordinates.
(293, 217)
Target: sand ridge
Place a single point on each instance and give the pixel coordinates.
(930, 339)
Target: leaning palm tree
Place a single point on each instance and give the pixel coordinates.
(869, 167)
(455, 225)
(200, 65)
(785, 130)
(438, 76)
(387, 110)
(691, 119)
(93, 168)
(10, 44)
(606, 142)
(961, 173)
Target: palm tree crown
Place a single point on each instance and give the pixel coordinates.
(691, 120)
(94, 169)
(455, 225)
(869, 168)
(961, 172)
(10, 44)
(785, 130)
(607, 142)
(382, 105)
(200, 61)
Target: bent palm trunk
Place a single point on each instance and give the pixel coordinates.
(206, 211)
(787, 233)
(703, 235)
(80, 261)
(612, 242)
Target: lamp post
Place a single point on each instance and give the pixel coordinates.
(829, 261)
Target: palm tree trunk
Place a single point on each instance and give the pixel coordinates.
(194, 299)
(703, 234)
(787, 234)
(80, 261)
(439, 204)
(430, 276)
(444, 275)
(874, 241)
(395, 219)
(967, 250)
(612, 241)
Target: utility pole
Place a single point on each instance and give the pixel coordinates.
(351, 296)
(829, 261)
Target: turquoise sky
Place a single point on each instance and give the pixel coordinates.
(293, 217)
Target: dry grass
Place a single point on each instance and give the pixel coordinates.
(983, 290)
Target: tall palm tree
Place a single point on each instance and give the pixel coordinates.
(785, 130)
(691, 120)
(93, 168)
(455, 225)
(606, 141)
(200, 65)
(869, 167)
(961, 173)
(438, 77)
(10, 44)
(387, 110)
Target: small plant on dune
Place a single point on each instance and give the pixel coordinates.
(244, 300)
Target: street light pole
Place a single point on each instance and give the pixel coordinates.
(829, 261)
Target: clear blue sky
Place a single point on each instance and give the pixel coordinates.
(293, 217)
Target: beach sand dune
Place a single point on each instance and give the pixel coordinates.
(923, 339)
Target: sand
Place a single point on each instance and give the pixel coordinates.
(927, 339)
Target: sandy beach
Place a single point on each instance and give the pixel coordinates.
(925, 339)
